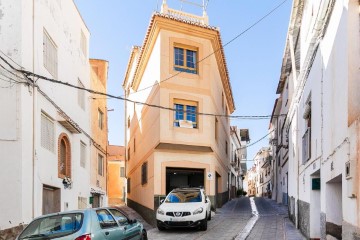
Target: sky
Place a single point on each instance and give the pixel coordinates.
(253, 59)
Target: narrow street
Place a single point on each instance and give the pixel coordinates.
(230, 222)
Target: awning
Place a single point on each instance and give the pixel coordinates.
(97, 191)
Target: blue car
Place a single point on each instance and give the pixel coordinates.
(87, 224)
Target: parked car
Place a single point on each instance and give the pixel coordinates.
(86, 224)
(184, 207)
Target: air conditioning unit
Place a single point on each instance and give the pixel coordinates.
(185, 124)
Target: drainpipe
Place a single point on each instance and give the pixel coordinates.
(34, 112)
(125, 138)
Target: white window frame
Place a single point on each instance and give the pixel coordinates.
(81, 95)
(100, 165)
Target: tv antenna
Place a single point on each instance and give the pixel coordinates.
(202, 5)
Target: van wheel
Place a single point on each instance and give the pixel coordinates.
(209, 218)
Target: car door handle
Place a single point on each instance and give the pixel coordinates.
(107, 233)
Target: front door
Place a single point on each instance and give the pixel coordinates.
(51, 200)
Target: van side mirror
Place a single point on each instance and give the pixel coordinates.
(162, 200)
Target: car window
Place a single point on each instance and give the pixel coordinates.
(182, 196)
(105, 219)
(119, 216)
(53, 226)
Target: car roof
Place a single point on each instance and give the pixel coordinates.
(187, 189)
(78, 211)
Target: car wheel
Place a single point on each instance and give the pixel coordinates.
(161, 228)
(144, 235)
(203, 225)
(209, 218)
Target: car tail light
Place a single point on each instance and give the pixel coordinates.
(84, 237)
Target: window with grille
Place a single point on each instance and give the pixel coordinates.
(100, 165)
(50, 55)
(82, 154)
(226, 147)
(185, 59)
(122, 171)
(185, 114)
(144, 173)
(128, 185)
(81, 95)
(100, 119)
(64, 156)
(83, 43)
(47, 133)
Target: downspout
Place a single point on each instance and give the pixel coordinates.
(125, 138)
(34, 112)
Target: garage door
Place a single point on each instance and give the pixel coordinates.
(184, 177)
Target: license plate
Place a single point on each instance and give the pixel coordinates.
(175, 219)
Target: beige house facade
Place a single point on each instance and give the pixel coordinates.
(116, 175)
(181, 68)
(99, 130)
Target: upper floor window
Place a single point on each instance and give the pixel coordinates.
(64, 156)
(185, 59)
(100, 119)
(144, 176)
(50, 55)
(82, 154)
(185, 114)
(47, 133)
(83, 43)
(100, 165)
(122, 171)
(81, 95)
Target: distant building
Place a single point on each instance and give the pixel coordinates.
(238, 156)
(116, 175)
(167, 149)
(262, 163)
(251, 178)
(45, 138)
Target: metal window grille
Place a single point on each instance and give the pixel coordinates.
(144, 173)
(82, 154)
(47, 133)
(83, 43)
(100, 165)
(100, 118)
(81, 95)
(122, 171)
(306, 146)
(50, 55)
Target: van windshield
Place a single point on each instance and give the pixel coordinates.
(53, 226)
(183, 196)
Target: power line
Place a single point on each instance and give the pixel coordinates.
(232, 40)
(255, 141)
(27, 73)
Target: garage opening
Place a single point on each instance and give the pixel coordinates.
(184, 177)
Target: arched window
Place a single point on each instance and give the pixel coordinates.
(64, 156)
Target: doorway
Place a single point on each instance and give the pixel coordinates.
(334, 215)
(51, 200)
(184, 177)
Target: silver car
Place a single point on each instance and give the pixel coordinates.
(86, 224)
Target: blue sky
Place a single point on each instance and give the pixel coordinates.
(253, 59)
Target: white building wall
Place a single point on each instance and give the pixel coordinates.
(64, 24)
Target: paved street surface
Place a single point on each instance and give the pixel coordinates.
(229, 221)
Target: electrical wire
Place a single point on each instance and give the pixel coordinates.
(217, 50)
(27, 73)
(252, 144)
